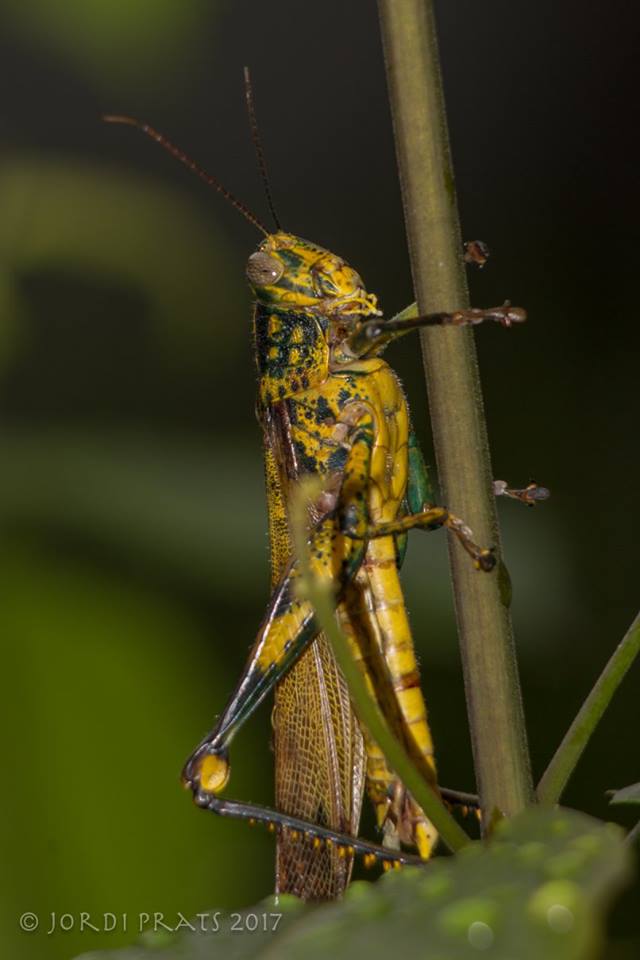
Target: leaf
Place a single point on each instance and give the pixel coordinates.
(146, 500)
(50, 209)
(628, 795)
(106, 684)
(111, 41)
(540, 888)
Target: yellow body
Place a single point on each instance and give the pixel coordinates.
(373, 614)
(330, 408)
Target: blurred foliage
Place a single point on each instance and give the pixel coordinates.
(107, 708)
(149, 502)
(539, 889)
(133, 552)
(115, 42)
(87, 225)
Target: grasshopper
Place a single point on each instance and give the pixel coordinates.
(330, 407)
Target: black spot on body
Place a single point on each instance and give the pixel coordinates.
(337, 459)
(308, 463)
(323, 410)
(322, 407)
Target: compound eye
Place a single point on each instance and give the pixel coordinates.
(263, 270)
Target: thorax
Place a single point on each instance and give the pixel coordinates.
(319, 419)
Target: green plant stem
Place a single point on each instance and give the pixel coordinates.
(566, 757)
(491, 679)
(366, 708)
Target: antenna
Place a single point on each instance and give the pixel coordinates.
(191, 164)
(257, 144)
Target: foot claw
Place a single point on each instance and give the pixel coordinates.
(530, 495)
(476, 252)
(486, 560)
(507, 315)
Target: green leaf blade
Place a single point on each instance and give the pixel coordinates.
(540, 888)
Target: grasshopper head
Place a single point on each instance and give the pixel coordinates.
(293, 273)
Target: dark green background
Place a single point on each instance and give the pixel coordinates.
(133, 550)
